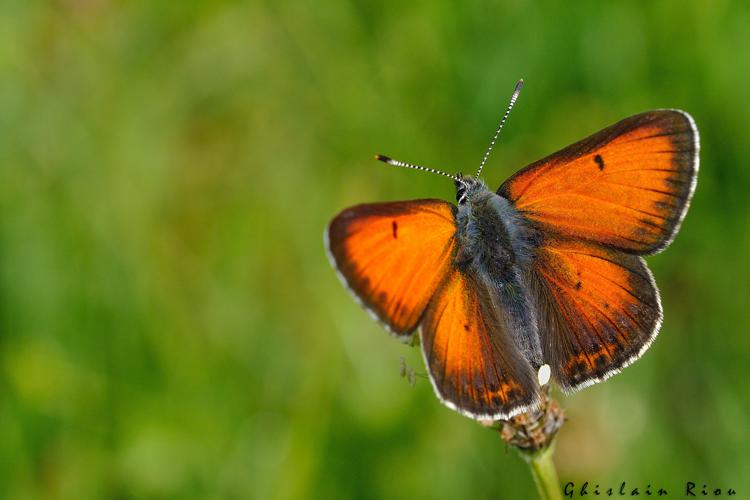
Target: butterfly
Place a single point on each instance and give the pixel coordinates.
(543, 278)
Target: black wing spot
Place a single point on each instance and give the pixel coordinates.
(466, 327)
(578, 285)
(599, 161)
(394, 227)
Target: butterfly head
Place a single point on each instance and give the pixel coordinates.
(467, 187)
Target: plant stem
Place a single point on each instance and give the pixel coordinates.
(544, 472)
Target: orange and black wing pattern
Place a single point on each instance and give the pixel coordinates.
(393, 256)
(475, 367)
(627, 186)
(598, 309)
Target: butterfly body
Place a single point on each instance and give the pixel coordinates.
(548, 270)
(495, 246)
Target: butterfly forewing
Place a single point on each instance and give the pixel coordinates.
(627, 186)
(393, 256)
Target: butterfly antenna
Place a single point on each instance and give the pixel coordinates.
(512, 103)
(396, 163)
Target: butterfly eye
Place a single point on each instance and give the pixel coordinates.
(461, 195)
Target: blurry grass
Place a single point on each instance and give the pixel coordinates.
(169, 325)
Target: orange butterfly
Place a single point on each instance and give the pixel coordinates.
(544, 277)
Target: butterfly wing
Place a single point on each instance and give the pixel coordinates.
(475, 367)
(627, 186)
(599, 204)
(393, 256)
(599, 310)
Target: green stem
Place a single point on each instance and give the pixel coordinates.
(545, 474)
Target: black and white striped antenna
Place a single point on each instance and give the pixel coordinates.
(458, 177)
(513, 98)
(397, 163)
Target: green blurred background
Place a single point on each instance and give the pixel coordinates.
(169, 324)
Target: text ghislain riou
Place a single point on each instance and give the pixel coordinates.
(690, 489)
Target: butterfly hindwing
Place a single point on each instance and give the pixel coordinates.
(627, 186)
(393, 256)
(598, 309)
(474, 365)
